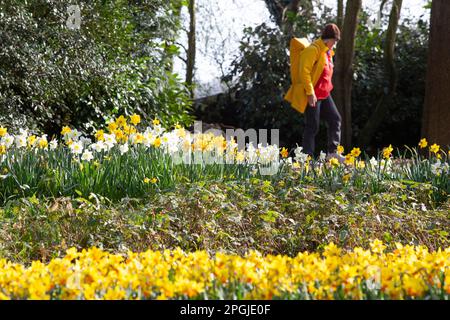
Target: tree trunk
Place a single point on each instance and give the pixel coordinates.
(287, 26)
(276, 8)
(391, 76)
(436, 114)
(343, 74)
(279, 8)
(190, 60)
(340, 13)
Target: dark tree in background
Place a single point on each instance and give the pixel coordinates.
(436, 115)
(343, 75)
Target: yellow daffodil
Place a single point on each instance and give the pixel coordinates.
(65, 130)
(435, 148)
(423, 143)
(349, 160)
(346, 177)
(135, 119)
(121, 121)
(112, 126)
(284, 152)
(100, 135)
(3, 131)
(387, 152)
(340, 149)
(334, 162)
(355, 152)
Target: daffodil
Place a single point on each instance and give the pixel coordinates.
(355, 152)
(65, 130)
(135, 119)
(423, 143)
(284, 152)
(3, 131)
(435, 148)
(387, 152)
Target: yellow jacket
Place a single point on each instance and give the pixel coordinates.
(306, 68)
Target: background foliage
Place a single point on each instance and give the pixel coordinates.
(119, 61)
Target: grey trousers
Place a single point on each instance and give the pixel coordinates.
(325, 109)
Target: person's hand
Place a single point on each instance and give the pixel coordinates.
(312, 100)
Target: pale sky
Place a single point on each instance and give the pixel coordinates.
(230, 17)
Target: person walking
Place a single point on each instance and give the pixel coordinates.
(310, 93)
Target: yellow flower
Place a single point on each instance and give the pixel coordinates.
(423, 143)
(43, 143)
(155, 122)
(435, 148)
(112, 126)
(121, 121)
(157, 142)
(31, 140)
(154, 180)
(177, 126)
(2, 149)
(3, 131)
(135, 119)
(139, 138)
(387, 152)
(100, 135)
(355, 152)
(360, 164)
(65, 130)
(349, 159)
(340, 149)
(284, 153)
(377, 246)
(346, 177)
(296, 164)
(240, 156)
(146, 180)
(118, 133)
(334, 162)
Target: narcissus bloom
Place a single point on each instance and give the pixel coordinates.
(435, 148)
(3, 131)
(135, 119)
(355, 152)
(423, 143)
(387, 152)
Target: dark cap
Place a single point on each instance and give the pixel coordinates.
(331, 31)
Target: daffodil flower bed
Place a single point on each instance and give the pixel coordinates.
(125, 162)
(407, 272)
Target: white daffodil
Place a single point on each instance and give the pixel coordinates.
(322, 156)
(123, 148)
(76, 147)
(21, 140)
(53, 144)
(251, 155)
(87, 155)
(7, 140)
(436, 168)
(373, 162)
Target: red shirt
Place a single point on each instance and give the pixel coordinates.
(324, 86)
